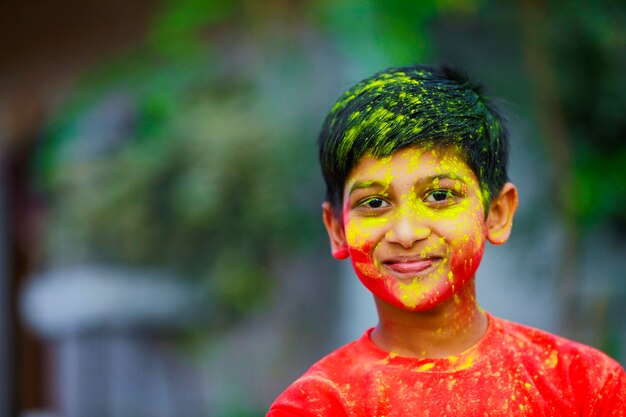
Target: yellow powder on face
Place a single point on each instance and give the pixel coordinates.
(357, 231)
(356, 235)
(373, 221)
(368, 269)
(387, 180)
(478, 236)
(413, 292)
(388, 176)
(414, 161)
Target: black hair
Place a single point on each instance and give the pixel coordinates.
(414, 106)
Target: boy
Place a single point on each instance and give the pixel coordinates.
(415, 166)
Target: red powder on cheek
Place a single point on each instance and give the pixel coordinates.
(463, 263)
(465, 260)
(369, 275)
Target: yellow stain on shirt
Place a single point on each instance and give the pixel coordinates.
(426, 367)
(553, 360)
(469, 361)
(451, 384)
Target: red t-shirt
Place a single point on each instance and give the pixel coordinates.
(513, 370)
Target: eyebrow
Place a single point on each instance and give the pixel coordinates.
(359, 185)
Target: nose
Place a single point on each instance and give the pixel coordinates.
(407, 230)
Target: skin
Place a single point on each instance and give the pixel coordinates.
(415, 226)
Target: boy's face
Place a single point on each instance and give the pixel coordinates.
(414, 225)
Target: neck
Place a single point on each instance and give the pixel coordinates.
(448, 329)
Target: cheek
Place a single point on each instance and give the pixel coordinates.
(370, 276)
(466, 247)
(357, 236)
(360, 246)
(362, 232)
(465, 258)
(362, 260)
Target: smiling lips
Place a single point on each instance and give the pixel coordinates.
(410, 265)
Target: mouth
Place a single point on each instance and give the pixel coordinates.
(411, 265)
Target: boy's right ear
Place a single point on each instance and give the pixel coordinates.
(334, 227)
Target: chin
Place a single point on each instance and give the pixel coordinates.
(415, 295)
(425, 301)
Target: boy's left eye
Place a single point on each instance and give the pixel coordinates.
(438, 196)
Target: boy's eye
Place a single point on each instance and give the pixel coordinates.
(438, 196)
(374, 203)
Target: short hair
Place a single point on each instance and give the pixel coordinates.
(414, 106)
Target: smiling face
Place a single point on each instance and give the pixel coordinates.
(414, 225)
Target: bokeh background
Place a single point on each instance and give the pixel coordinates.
(161, 245)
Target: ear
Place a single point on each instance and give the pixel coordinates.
(500, 217)
(334, 227)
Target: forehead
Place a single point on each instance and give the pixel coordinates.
(412, 164)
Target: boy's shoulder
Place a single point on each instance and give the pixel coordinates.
(531, 344)
(327, 387)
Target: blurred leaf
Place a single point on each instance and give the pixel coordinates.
(176, 31)
(379, 34)
(600, 193)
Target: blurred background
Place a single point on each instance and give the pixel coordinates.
(161, 244)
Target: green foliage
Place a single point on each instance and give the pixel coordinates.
(587, 45)
(379, 34)
(599, 195)
(177, 29)
(195, 176)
